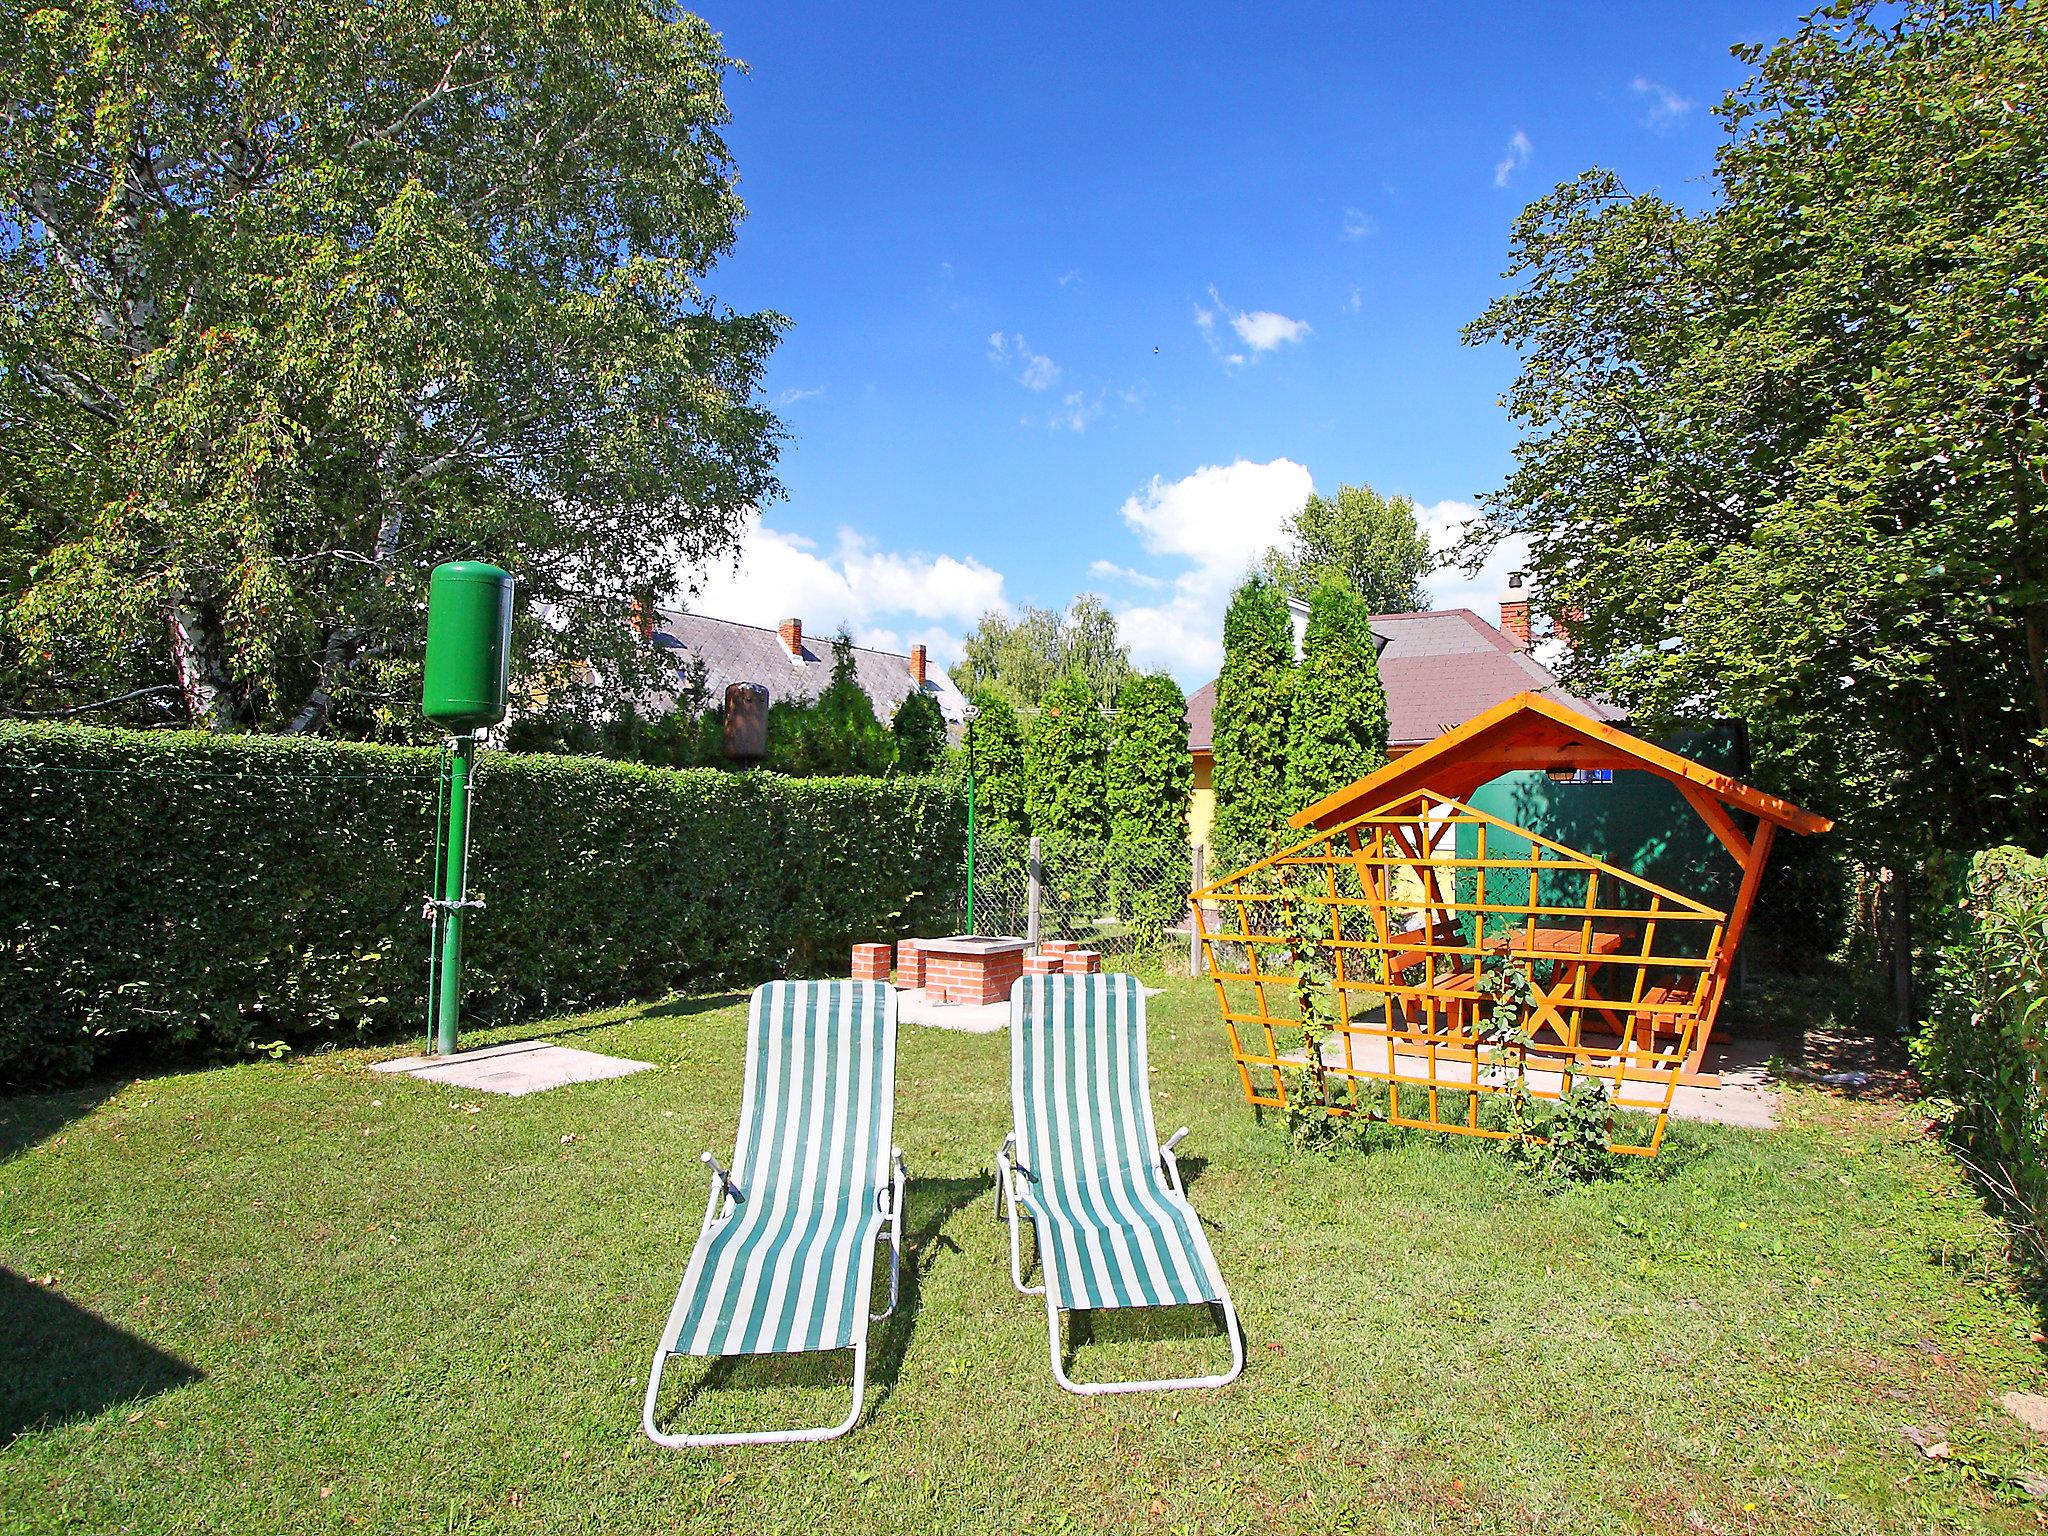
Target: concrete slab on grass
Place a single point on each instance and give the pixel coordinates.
(525, 1066)
(1744, 1099)
(915, 1007)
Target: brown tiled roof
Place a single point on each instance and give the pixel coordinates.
(746, 653)
(1440, 669)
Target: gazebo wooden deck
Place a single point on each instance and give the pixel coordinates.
(1415, 942)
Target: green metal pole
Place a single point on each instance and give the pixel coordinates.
(970, 823)
(454, 891)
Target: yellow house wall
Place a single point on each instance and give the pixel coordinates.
(1201, 800)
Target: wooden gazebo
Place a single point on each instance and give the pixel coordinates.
(1393, 923)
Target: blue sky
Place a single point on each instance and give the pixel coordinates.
(1086, 299)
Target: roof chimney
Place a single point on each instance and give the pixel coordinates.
(917, 665)
(643, 618)
(792, 632)
(1514, 613)
(1514, 621)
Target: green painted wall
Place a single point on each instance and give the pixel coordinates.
(1637, 822)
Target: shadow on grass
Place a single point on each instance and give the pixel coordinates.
(1124, 1325)
(674, 1008)
(1142, 1325)
(59, 1363)
(929, 1205)
(35, 1117)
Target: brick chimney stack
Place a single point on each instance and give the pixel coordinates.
(643, 618)
(792, 632)
(1514, 621)
(917, 655)
(1514, 613)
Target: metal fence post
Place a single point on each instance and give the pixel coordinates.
(1194, 918)
(1035, 877)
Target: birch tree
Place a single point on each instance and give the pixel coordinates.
(297, 300)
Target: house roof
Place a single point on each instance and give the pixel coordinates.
(1531, 731)
(1440, 669)
(747, 653)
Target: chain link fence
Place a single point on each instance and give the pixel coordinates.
(1128, 900)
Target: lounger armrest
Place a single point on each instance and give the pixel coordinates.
(1169, 1162)
(722, 1178)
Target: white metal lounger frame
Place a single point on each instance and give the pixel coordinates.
(725, 1197)
(1009, 1198)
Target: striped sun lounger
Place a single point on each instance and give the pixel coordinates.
(1113, 1225)
(784, 1261)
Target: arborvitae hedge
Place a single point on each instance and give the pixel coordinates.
(1337, 731)
(997, 743)
(189, 894)
(1254, 696)
(1064, 760)
(1150, 773)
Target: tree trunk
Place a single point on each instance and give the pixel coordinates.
(1899, 923)
(200, 681)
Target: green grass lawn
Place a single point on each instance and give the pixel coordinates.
(302, 1297)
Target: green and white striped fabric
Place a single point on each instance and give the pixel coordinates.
(789, 1268)
(1111, 1232)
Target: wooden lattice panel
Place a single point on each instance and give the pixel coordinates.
(1384, 944)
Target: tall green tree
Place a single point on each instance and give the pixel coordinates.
(1786, 458)
(1065, 757)
(1371, 543)
(1149, 773)
(1338, 729)
(1254, 697)
(835, 734)
(1091, 647)
(996, 747)
(1024, 657)
(920, 732)
(302, 298)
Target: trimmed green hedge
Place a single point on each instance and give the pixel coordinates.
(190, 894)
(1983, 1044)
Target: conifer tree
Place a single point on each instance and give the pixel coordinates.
(1338, 729)
(1254, 696)
(1064, 762)
(1149, 772)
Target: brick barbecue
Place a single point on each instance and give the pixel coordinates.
(968, 969)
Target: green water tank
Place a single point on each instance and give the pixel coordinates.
(469, 645)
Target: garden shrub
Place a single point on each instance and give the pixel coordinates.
(188, 893)
(1065, 757)
(1983, 1042)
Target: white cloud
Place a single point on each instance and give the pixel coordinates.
(1261, 330)
(878, 595)
(1666, 107)
(1519, 150)
(1073, 276)
(1034, 369)
(1354, 300)
(1109, 570)
(1217, 523)
(1356, 224)
(1075, 412)
(792, 395)
(1448, 586)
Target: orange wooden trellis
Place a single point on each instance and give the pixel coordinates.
(1397, 943)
